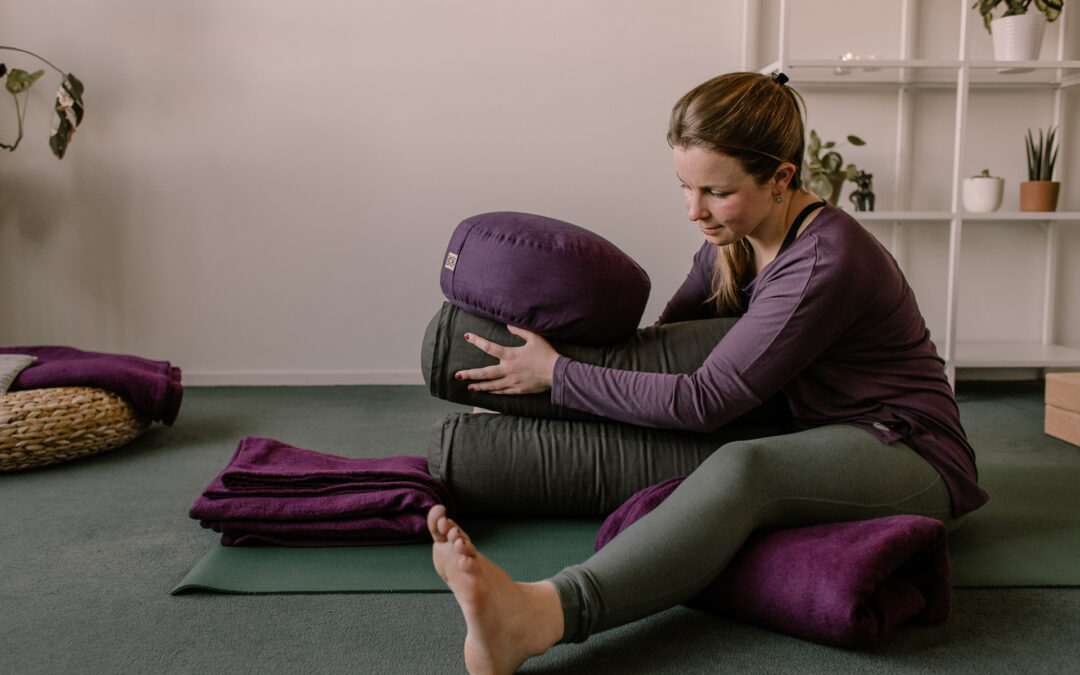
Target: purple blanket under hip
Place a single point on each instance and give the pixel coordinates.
(845, 584)
(151, 387)
(272, 492)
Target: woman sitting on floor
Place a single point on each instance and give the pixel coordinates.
(827, 319)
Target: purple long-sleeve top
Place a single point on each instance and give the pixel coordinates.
(832, 323)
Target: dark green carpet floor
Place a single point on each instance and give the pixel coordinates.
(91, 549)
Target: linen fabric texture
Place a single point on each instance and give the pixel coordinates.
(846, 584)
(506, 465)
(271, 492)
(545, 275)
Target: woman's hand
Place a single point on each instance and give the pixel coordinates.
(527, 369)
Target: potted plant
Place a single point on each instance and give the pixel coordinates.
(1040, 192)
(982, 192)
(825, 174)
(68, 104)
(1017, 34)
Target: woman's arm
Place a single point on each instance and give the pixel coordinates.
(797, 311)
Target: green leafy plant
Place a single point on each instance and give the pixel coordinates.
(985, 173)
(1051, 8)
(1041, 156)
(823, 171)
(68, 104)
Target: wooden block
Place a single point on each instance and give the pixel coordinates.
(1063, 390)
(1063, 424)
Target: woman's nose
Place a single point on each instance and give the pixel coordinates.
(694, 209)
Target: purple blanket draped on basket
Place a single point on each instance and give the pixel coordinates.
(274, 493)
(151, 387)
(845, 584)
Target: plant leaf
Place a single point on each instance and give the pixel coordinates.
(855, 140)
(1029, 150)
(986, 8)
(61, 137)
(1016, 7)
(18, 80)
(821, 186)
(1051, 8)
(831, 162)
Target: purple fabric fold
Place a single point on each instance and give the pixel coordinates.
(151, 387)
(845, 584)
(274, 493)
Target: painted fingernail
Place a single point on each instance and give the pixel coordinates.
(470, 389)
(467, 336)
(457, 376)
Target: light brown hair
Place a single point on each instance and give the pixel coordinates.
(756, 120)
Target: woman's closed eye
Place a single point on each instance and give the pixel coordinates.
(709, 191)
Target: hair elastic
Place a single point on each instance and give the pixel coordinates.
(779, 78)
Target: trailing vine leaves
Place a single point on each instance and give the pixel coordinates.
(68, 104)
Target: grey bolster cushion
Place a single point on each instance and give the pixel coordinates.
(543, 459)
(672, 348)
(506, 465)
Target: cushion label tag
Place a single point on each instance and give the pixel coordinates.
(451, 261)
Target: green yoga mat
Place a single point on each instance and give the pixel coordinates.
(1027, 535)
(529, 550)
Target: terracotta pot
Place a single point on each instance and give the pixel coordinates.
(1039, 195)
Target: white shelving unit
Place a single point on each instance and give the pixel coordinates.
(902, 77)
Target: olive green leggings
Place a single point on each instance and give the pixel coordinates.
(828, 474)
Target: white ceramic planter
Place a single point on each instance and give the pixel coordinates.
(982, 194)
(1018, 38)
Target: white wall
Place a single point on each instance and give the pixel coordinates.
(262, 191)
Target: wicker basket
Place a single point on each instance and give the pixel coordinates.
(47, 426)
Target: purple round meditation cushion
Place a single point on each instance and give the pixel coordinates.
(545, 275)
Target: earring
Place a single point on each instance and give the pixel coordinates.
(779, 198)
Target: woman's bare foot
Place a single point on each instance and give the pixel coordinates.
(507, 621)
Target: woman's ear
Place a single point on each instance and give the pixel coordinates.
(782, 177)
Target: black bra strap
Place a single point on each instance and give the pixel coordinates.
(794, 229)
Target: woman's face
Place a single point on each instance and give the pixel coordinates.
(726, 202)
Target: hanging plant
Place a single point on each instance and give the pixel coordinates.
(68, 104)
(1050, 8)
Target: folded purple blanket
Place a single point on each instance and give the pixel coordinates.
(845, 584)
(272, 492)
(151, 387)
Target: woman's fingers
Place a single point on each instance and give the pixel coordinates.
(486, 373)
(485, 345)
(520, 332)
